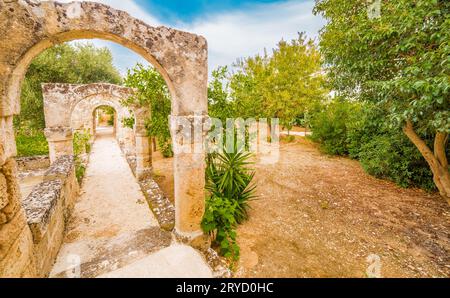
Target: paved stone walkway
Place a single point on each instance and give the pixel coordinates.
(113, 233)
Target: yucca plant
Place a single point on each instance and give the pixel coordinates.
(229, 176)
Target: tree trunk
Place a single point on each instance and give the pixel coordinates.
(437, 160)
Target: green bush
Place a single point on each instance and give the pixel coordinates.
(393, 157)
(80, 170)
(219, 220)
(81, 145)
(228, 181)
(330, 126)
(31, 143)
(360, 131)
(128, 122)
(81, 142)
(165, 147)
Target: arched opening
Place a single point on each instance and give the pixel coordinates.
(180, 58)
(104, 121)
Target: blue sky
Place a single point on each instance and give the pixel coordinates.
(234, 29)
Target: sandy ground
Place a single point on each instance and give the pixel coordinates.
(322, 216)
(112, 226)
(28, 183)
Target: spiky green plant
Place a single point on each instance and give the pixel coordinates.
(229, 176)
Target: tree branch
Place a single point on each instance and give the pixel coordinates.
(426, 152)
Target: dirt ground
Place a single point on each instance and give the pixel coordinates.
(322, 216)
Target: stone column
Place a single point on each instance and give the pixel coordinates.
(143, 148)
(16, 243)
(60, 141)
(188, 133)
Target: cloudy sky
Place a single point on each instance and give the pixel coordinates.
(233, 28)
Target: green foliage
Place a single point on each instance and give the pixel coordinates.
(80, 170)
(228, 176)
(330, 126)
(65, 63)
(395, 158)
(284, 84)
(81, 142)
(228, 181)
(360, 131)
(81, 145)
(31, 143)
(128, 122)
(219, 220)
(400, 59)
(111, 113)
(220, 105)
(400, 62)
(152, 91)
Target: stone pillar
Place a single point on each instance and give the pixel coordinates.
(60, 142)
(143, 155)
(188, 133)
(16, 243)
(143, 148)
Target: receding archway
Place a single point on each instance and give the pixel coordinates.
(69, 107)
(27, 28)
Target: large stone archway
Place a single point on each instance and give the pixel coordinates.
(70, 107)
(29, 27)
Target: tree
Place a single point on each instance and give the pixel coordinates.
(152, 91)
(282, 85)
(219, 102)
(399, 60)
(65, 63)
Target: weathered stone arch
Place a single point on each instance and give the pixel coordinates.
(69, 107)
(27, 28)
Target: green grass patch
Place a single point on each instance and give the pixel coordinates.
(31, 144)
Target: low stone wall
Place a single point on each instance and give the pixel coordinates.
(33, 163)
(164, 212)
(159, 203)
(47, 209)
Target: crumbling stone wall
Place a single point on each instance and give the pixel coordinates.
(48, 208)
(35, 227)
(28, 27)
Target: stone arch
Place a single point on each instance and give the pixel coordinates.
(28, 27)
(69, 107)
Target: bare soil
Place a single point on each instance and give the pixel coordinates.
(322, 216)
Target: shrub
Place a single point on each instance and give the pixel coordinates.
(393, 157)
(80, 170)
(166, 148)
(81, 142)
(219, 221)
(330, 126)
(228, 181)
(128, 122)
(81, 145)
(228, 176)
(360, 130)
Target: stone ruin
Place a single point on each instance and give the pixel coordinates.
(70, 107)
(29, 27)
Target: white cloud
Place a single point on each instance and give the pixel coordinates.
(244, 33)
(234, 34)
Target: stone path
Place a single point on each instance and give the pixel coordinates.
(113, 233)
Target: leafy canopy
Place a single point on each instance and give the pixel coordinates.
(400, 59)
(65, 63)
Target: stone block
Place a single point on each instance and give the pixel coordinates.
(19, 258)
